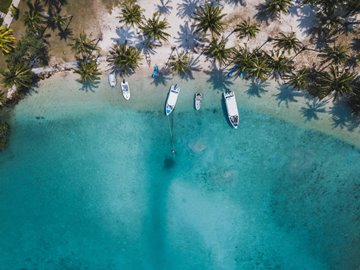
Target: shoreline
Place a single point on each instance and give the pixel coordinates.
(149, 96)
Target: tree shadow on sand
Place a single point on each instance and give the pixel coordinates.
(217, 79)
(287, 94)
(313, 108)
(262, 15)
(236, 2)
(164, 7)
(194, 67)
(187, 8)
(187, 39)
(89, 86)
(256, 89)
(162, 77)
(124, 35)
(342, 116)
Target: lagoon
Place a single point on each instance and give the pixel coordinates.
(89, 181)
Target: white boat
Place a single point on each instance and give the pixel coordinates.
(198, 99)
(171, 99)
(125, 89)
(232, 108)
(112, 79)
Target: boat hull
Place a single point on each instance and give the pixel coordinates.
(231, 107)
(125, 88)
(197, 102)
(171, 99)
(112, 79)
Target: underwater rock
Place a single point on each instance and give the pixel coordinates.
(197, 146)
(4, 135)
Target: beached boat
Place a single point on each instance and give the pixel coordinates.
(232, 108)
(198, 99)
(112, 79)
(125, 89)
(172, 99)
(155, 72)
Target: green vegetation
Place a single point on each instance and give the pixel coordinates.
(180, 64)
(154, 29)
(209, 18)
(131, 14)
(7, 40)
(124, 59)
(4, 135)
(5, 5)
(218, 51)
(247, 29)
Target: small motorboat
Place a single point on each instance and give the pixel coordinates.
(148, 59)
(231, 108)
(125, 89)
(172, 99)
(198, 99)
(112, 79)
(155, 72)
(230, 73)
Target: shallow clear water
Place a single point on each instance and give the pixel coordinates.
(92, 184)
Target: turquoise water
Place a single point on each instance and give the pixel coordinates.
(92, 184)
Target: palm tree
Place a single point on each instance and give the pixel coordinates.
(180, 64)
(287, 43)
(260, 68)
(336, 55)
(209, 18)
(20, 75)
(275, 7)
(217, 51)
(242, 58)
(280, 65)
(339, 82)
(154, 29)
(131, 14)
(7, 40)
(298, 79)
(57, 4)
(33, 19)
(88, 70)
(84, 46)
(247, 29)
(124, 59)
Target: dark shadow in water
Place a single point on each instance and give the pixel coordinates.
(287, 94)
(313, 108)
(218, 80)
(169, 162)
(342, 116)
(256, 89)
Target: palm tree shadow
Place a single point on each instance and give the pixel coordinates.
(256, 89)
(164, 7)
(124, 35)
(262, 15)
(236, 2)
(355, 44)
(66, 33)
(194, 67)
(218, 80)
(187, 8)
(161, 78)
(287, 94)
(89, 86)
(314, 107)
(342, 116)
(187, 38)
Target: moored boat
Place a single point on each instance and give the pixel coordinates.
(171, 99)
(198, 99)
(231, 108)
(125, 88)
(112, 79)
